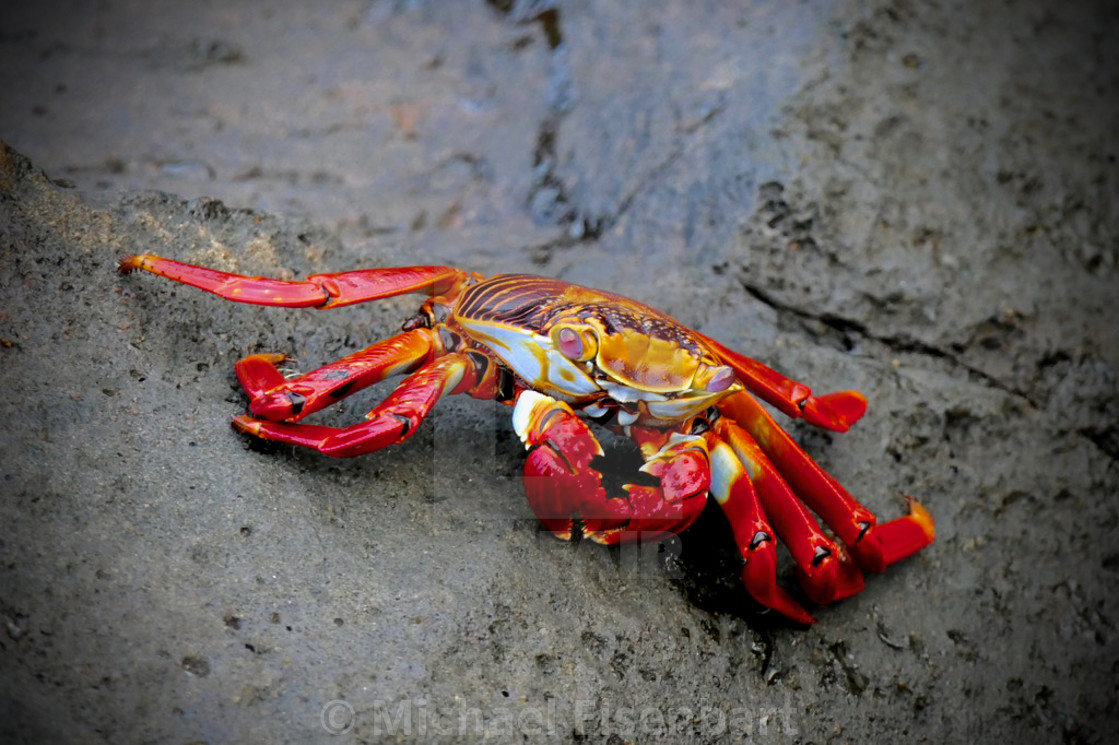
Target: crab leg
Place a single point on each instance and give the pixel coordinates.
(563, 487)
(756, 540)
(824, 569)
(835, 411)
(873, 546)
(275, 398)
(392, 421)
(317, 291)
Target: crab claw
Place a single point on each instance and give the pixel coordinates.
(557, 476)
(682, 467)
(565, 490)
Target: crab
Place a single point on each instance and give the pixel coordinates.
(562, 356)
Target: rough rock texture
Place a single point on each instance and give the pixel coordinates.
(912, 200)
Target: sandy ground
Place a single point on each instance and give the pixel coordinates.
(912, 200)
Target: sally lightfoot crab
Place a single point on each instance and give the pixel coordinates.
(563, 355)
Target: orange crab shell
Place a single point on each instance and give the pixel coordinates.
(571, 340)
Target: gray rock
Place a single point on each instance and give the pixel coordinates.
(917, 202)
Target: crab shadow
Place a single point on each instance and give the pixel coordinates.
(702, 563)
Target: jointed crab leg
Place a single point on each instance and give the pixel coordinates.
(756, 540)
(317, 291)
(273, 397)
(835, 411)
(392, 421)
(873, 546)
(824, 569)
(563, 487)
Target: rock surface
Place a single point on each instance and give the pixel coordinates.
(914, 201)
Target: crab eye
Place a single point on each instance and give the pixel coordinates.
(569, 343)
(721, 378)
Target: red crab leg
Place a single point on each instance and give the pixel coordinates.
(276, 399)
(562, 486)
(317, 291)
(835, 411)
(824, 569)
(756, 540)
(873, 546)
(393, 420)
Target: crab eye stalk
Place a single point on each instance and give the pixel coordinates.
(573, 344)
(719, 379)
(569, 343)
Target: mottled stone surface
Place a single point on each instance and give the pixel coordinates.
(912, 200)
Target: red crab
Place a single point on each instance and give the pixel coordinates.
(561, 354)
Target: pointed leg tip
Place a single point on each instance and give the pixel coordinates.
(921, 516)
(777, 599)
(888, 543)
(129, 264)
(271, 358)
(760, 578)
(835, 411)
(246, 424)
(784, 604)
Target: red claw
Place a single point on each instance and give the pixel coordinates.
(564, 489)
